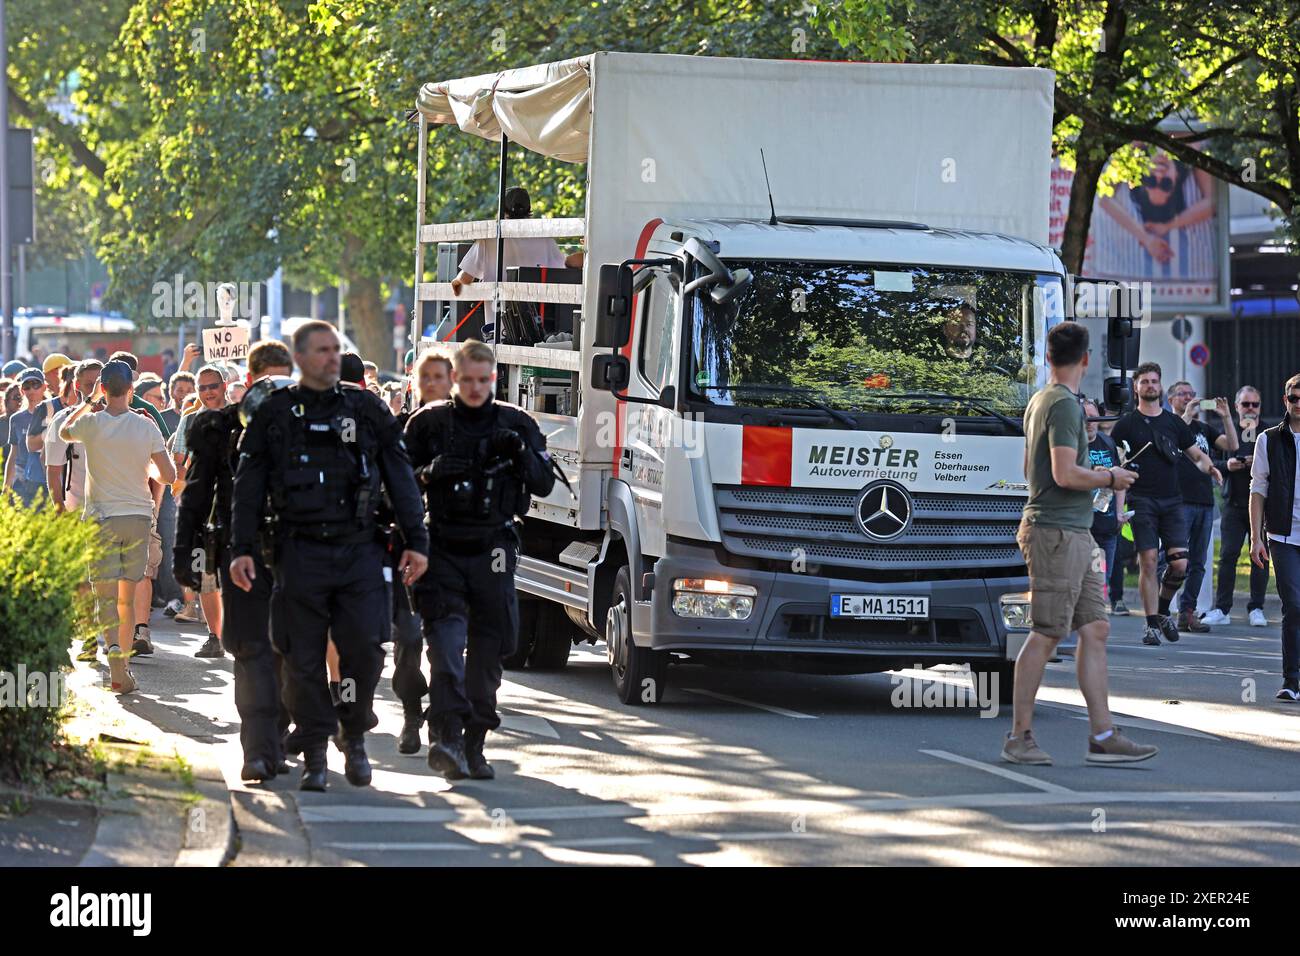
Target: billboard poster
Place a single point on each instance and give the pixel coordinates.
(1169, 229)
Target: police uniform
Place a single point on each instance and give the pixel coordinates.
(479, 467)
(322, 457)
(408, 641)
(203, 547)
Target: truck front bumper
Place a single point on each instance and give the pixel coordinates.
(791, 615)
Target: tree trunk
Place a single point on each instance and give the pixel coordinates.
(1090, 159)
(366, 324)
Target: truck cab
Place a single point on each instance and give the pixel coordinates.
(835, 480)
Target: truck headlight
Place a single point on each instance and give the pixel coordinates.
(713, 598)
(1015, 611)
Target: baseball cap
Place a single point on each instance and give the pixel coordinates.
(31, 375)
(54, 361)
(115, 372)
(12, 368)
(410, 357)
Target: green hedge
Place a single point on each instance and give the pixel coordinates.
(44, 604)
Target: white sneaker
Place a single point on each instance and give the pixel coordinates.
(1215, 616)
(1257, 618)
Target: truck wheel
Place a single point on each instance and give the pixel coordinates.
(552, 638)
(528, 612)
(639, 673)
(1005, 674)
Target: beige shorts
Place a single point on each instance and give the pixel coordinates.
(125, 539)
(1065, 579)
(210, 584)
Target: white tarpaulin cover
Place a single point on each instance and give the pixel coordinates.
(948, 145)
(545, 108)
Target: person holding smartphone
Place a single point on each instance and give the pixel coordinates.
(1234, 521)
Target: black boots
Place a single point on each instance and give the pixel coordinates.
(356, 765)
(409, 741)
(314, 769)
(479, 768)
(447, 753)
(259, 769)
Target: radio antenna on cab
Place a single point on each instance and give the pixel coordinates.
(772, 205)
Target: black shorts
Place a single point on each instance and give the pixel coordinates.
(1158, 522)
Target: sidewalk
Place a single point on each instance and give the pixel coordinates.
(162, 800)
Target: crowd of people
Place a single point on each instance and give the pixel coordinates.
(162, 466)
(1152, 470)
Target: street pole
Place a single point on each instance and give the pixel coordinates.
(6, 305)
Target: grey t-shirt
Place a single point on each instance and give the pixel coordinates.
(1054, 419)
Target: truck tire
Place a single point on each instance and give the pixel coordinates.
(640, 674)
(552, 638)
(528, 613)
(1005, 673)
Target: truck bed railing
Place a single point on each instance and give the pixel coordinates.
(510, 229)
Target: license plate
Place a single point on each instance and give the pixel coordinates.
(879, 606)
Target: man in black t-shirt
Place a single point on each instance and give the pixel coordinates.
(1198, 494)
(1156, 439)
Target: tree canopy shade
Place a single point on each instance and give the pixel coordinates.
(218, 139)
(1217, 85)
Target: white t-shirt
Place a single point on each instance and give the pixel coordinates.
(481, 260)
(118, 449)
(57, 452)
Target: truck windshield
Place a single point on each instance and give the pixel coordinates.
(879, 339)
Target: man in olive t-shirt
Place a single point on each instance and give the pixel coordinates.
(1064, 575)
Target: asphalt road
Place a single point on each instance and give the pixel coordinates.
(753, 768)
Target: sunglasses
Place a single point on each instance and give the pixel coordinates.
(31, 385)
(1249, 404)
(1163, 183)
(213, 386)
(1293, 398)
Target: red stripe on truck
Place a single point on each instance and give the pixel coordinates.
(765, 455)
(641, 243)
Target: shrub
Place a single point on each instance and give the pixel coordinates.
(45, 561)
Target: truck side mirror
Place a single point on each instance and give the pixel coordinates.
(610, 372)
(1123, 342)
(614, 307)
(1118, 393)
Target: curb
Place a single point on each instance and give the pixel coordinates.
(149, 822)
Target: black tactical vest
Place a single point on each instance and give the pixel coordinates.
(325, 480)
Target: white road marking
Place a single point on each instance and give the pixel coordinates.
(1003, 772)
(326, 813)
(527, 724)
(362, 846)
(749, 703)
(1154, 824)
(1129, 721)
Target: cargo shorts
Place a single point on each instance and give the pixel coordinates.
(1065, 578)
(125, 540)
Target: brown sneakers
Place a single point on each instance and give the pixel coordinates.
(1025, 750)
(1188, 621)
(1118, 749)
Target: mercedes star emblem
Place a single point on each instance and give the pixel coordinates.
(884, 510)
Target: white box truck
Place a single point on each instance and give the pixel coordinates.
(793, 439)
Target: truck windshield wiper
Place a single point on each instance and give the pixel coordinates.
(797, 390)
(979, 404)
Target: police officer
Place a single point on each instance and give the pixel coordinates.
(479, 461)
(203, 546)
(322, 452)
(431, 382)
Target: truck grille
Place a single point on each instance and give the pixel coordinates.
(946, 530)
